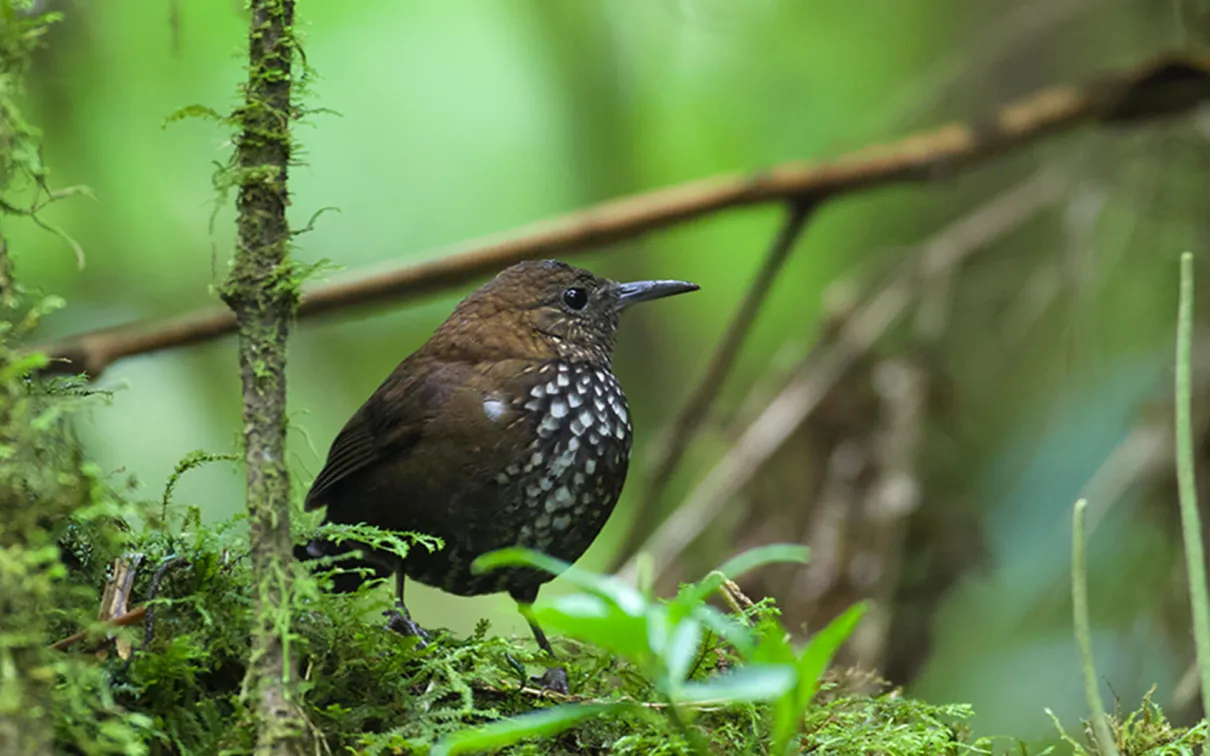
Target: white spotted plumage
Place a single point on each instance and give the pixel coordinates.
(571, 475)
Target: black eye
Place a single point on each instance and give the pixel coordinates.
(576, 298)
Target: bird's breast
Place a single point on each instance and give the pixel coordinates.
(565, 482)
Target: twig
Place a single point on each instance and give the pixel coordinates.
(550, 695)
(1168, 85)
(1191, 524)
(1083, 630)
(129, 618)
(115, 600)
(668, 455)
(856, 335)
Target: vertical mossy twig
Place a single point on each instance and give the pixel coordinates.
(1191, 525)
(1083, 627)
(262, 295)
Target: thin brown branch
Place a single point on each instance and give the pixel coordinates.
(1169, 85)
(129, 618)
(822, 368)
(669, 454)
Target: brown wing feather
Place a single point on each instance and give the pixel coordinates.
(352, 450)
(390, 422)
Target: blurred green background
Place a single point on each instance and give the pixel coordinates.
(442, 121)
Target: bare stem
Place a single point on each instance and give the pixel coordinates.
(1191, 524)
(1083, 626)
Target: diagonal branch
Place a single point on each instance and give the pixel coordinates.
(1162, 87)
(947, 249)
(668, 455)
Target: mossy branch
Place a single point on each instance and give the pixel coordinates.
(259, 292)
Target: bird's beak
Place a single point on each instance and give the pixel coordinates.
(645, 291)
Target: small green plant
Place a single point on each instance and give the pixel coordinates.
(1147, 731)
(664, 640)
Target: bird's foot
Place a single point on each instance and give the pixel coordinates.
(553, 679)
(402, 623)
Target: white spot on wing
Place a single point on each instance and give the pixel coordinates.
(494, 407)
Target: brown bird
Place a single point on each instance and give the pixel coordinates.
(506, 428)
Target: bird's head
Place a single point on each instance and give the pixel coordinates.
(546, 309)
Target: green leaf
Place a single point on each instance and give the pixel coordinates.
(746, 562)
(598, 621)
(680, 649)
(506, 732)
(811, 665)
(774, 647)
(23, 365)
(756, 682)
(194, 111)
(762, 555)
(729, 629)
(820, 650)
(626, 597)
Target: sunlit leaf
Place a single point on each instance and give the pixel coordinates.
(503, 733)
(756, 682)
(682, 649)
(596, 620)
(626, 597)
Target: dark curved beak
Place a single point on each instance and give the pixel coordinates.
(645, 291)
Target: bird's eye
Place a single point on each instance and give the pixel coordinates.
(575, 298)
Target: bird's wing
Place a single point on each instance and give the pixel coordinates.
(390, 422)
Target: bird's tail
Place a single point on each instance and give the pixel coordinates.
(354, 571)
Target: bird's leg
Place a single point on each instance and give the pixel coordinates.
(527, 611)
(554, 678)
(400, 620)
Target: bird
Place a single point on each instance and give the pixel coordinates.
(507, 427)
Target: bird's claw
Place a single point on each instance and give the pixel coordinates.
(406, 626)
(553, 679)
